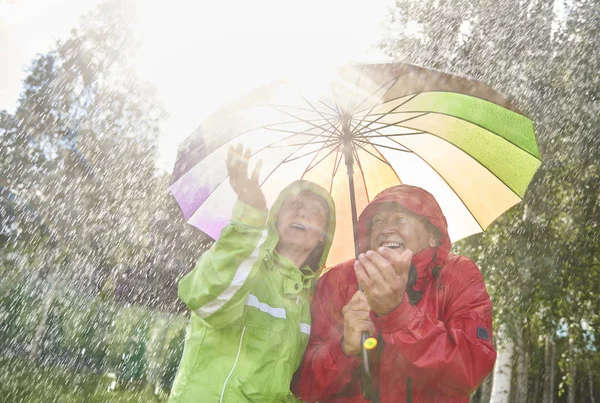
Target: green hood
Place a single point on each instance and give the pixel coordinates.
(296, 187)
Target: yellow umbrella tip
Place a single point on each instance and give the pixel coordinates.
(370, 343)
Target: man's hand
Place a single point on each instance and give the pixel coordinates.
(382, 275)
(246, 188)
(356, 321)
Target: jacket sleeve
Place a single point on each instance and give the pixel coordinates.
(325, 370)
(216, 289)
(452, 356)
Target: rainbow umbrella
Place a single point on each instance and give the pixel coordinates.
(388, 124)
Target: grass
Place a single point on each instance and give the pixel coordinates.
(26, 381)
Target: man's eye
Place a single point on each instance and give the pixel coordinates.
(400, 220)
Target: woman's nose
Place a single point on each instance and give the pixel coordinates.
(301, 212)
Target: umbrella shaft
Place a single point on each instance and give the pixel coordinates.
(349, 159)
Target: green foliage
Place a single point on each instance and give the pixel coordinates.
(89, 236)
(173, 356)
(131, 371)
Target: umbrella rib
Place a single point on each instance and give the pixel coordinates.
(306, 121)
(393, 135)
(318, 162)
(308, 168)
(326, 142)
(395, 141)
(335, 100)
(373, 155)
(335, 165)
(389, 84)
(387, 113)
(336, 112)
(354, 95)
(382, 157)
(315, 109)
(384, 146)
(391, 124)
(286, 160)
(304, 133)
(302, 109)
(363, 118)
(362, 173)
(395, 80)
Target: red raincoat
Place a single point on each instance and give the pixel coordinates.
(434, 349)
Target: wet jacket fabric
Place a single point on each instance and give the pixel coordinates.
(436, 346)
(250, 312)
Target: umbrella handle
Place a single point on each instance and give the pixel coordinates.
(366, 380)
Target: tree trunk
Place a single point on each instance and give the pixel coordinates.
(548, 379)
(552, 370)
(591, 382)
(502, 369)
(522, 369)
(572, 374)
(486, 390)
(536, 388)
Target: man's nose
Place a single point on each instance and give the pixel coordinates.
(388, 228)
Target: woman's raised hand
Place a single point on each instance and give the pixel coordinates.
(247, 188)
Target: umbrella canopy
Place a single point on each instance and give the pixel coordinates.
(390, 124)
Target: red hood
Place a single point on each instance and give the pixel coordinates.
(419, 202)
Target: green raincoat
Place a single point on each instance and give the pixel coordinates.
(250, 319)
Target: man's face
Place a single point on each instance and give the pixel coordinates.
(397, 228)
(302, 220)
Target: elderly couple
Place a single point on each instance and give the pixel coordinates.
(255, 335)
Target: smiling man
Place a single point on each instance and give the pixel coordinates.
(428, 308)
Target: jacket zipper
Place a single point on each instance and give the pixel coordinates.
(234, 364)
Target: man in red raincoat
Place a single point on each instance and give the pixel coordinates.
(428, 309)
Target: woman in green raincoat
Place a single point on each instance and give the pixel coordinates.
(248, 295)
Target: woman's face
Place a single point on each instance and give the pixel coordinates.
(302, 220)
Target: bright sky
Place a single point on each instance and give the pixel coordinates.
(201, 54)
